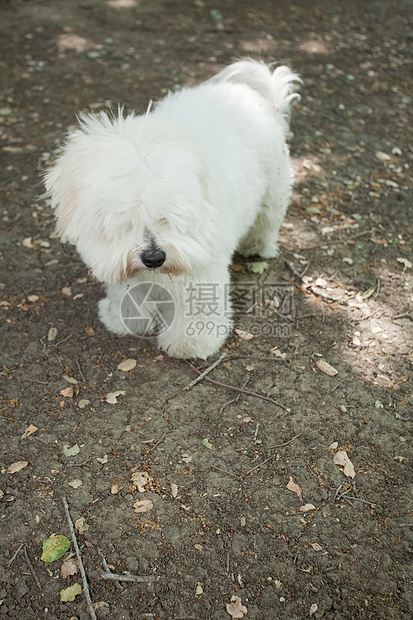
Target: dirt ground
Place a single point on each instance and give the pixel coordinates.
(336, 542)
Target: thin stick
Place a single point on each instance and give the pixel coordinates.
(225, 471)
(107, 569)
(79, 560)
(246, 392)
(15, 554)
(30, 565)
(137, 578)
(359, 499)
(80, 370)
(294, 271)
(280, 445)
(334, 241)
(206, 372)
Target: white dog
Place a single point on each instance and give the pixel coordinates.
(157, 204)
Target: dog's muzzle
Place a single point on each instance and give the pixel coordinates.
(153, 258)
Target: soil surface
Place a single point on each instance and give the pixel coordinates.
(240, 477)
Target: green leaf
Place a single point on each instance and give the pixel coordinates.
(206, 443)
(69, 594)
(81, 525)
(54, 548)
(258, 267)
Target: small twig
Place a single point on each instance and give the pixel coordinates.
(79, 560)
(246, 392)
(359, 499)
(342, 495)
(205, 372)
(334, 241)
(225, 471)
(107, 569)
(70, 464)
(56, 344)
(30, 565)
(15, 554)
(256, 431)
(402, 316)
(150, 604)
(349, 501)
(80, 370)
(367, 316)
(294, 271)
(136, 578)
(155, 445)
(280, 445)
(338, 491)
(234, 400)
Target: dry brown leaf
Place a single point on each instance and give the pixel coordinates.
(143, 505)
(235, 268)
(307, 507)
(112, 397)
(75, 483)
(28, 243)
(67, 291)
(84, 402)
(89, 330)
(114, 489)
(30, 430)
(69, 379)
(316, 546)
(102, 460)
(68, 568)
(15, 467)
(141, 479)
(127, 365)
(67, 392)
(235, 608)
(326, 368)
(276, 351)
(341, 458)
(243, 334)
(295, 488)
(100, 605)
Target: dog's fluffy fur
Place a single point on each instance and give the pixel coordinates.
(184, 186)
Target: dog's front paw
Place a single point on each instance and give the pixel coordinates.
(186, 347)
(109, 314)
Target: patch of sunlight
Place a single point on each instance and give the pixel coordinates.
(305, 166)
(121, 4)
(72, 41)
(259, 46)
(377, 344)
(311, 46)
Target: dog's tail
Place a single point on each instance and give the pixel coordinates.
(277, 86)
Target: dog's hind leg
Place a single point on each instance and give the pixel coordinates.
(262, 238)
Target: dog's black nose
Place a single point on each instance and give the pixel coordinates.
(153, 258)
